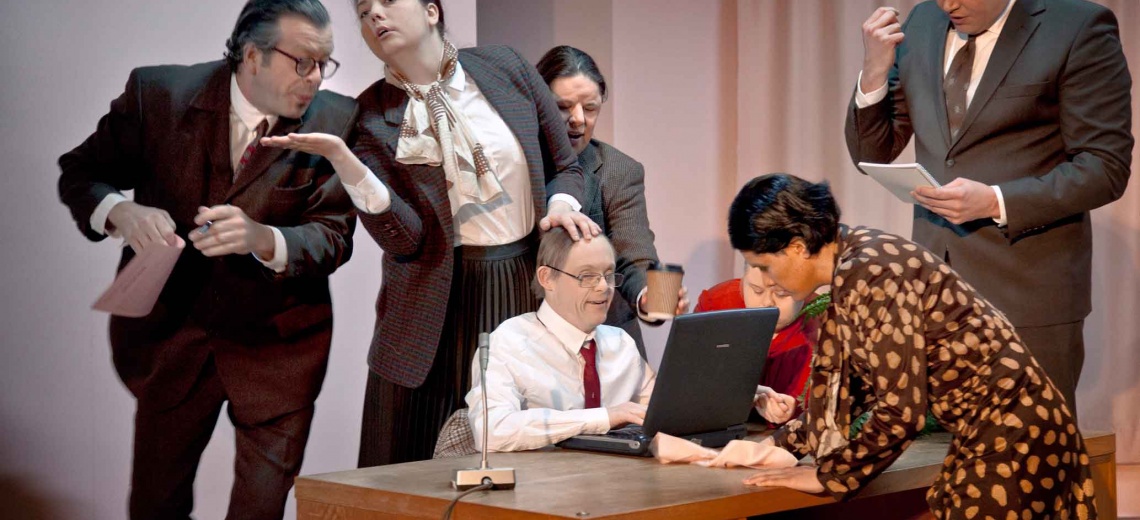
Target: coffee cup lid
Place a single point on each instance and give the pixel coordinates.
(676, 268)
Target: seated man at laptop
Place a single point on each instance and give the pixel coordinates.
(558, 372)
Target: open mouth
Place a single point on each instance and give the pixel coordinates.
(381, 31)
(575, 135)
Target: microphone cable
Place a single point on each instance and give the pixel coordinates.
(487, 484)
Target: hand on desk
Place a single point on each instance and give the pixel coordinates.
(626, 413)
(799, 478)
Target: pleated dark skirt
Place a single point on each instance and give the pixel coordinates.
(490, 285)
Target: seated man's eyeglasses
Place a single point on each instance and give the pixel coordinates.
(305, 65)
(591, 280)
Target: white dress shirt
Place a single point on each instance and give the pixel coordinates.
(535, 394)
(244, 118)
(505, 219)
(983, 49)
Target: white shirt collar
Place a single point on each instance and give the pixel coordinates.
(995, 29)
(571, 338)
(248, 114)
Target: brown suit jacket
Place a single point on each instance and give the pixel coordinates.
(416, 233)
(167, 138)
(1049, 124)
(615, 200)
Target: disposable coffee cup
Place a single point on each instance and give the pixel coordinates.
(662, 288)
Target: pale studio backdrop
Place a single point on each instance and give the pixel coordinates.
(706, 94)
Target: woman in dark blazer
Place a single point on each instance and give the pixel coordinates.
(455, 155)
(615, 182)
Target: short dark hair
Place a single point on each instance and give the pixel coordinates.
(553, 249)
(258, 24)
(773, 209)
(565, 61)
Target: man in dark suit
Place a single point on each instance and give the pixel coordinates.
(245, 316)
(615, 200)
(1021, 109)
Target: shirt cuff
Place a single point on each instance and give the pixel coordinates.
(1002, 219)
(865, 100)
(597, 422)
(277, 263)
(99, 216)
(569, 199)
(369, 195)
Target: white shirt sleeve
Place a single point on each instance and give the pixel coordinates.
(577, 206)
(277, 263)
(865, 100)
(99, 216)
(513, 428)
(1002, 221)
(370, 195)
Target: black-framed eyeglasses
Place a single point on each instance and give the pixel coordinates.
(306, 65)
(591, 280)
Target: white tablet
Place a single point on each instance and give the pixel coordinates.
(900, 179)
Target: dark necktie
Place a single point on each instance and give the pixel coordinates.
(957, 84)
(249, 149)
(591, 386)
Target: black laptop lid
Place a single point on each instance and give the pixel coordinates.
(709, 373)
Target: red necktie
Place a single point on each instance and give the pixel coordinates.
(249, 149)
(591, 387)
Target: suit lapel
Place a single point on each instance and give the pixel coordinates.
(207, 124)
(936, 49)
(394, 102)
(589, 159)
(263, 156)
(1018, 28)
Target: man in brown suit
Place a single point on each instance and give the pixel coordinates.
(245, 316)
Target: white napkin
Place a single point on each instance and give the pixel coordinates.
(747, 454)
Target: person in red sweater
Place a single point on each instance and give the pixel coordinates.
(788, 364)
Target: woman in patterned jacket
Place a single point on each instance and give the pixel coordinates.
(905, 334)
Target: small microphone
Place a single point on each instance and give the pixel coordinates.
(500, 478)
(484, 350)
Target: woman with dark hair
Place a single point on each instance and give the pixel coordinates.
(449, 177)
(904, 334)
(615, 182)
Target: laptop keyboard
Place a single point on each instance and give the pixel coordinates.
(632, 432)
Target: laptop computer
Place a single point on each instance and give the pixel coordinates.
(705, 386)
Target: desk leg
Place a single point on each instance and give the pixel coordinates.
(1104, 480)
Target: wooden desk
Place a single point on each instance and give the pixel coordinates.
(572, 484)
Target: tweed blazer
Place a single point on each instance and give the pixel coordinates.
(1049, 124)
(167, 137)
(615, 200)
(417, 232)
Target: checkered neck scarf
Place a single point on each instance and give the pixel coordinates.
(435, 132)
